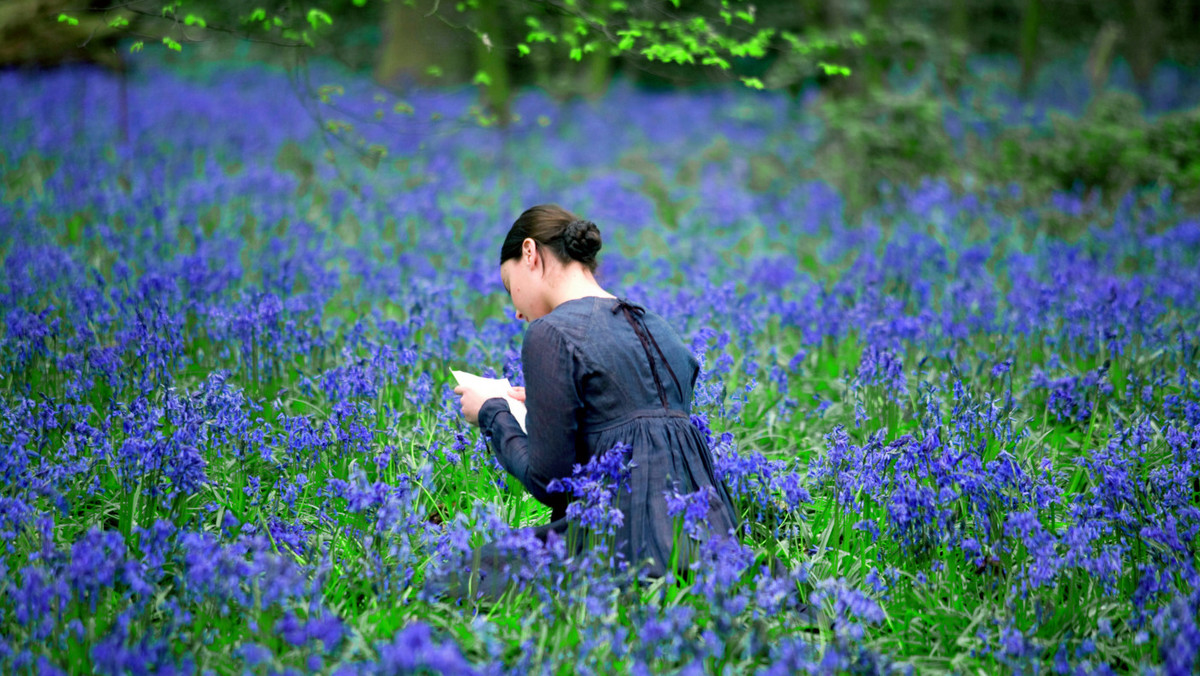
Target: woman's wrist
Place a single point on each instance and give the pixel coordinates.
(489, 409)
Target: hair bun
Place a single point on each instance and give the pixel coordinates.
(581, 239)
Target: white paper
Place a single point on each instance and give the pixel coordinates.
(493, 387)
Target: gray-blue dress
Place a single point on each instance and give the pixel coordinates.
(595, 375)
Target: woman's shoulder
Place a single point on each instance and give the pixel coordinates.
(575, 322)
(570, 315)
(561, 325)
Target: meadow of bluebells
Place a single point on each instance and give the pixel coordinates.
(957, 443)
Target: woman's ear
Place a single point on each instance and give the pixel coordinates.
(529, 251)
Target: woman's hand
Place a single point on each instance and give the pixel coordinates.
(517, 393)
(472, 400)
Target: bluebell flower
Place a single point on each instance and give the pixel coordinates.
(414, 649)
(693, 507)
(96, 562)
(596, 487)
(254, 653)
(326, 629)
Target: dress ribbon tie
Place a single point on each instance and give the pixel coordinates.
(634, 313)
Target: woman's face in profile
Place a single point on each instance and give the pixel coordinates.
(520, 284)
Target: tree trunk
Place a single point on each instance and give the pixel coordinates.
(599, 71)
(1031, 20)
(953, 70)
(839, 87)
(1144, 27)
(960, 20)
(413, 43)
(491, 60)
(599, 62)
(876, 57)
(1101, 55)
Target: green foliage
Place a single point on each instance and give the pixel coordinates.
(831, 69)
(316, 17)
(1111, 148)
(884, 136)
(702, 35)
(711, 34)
(881, 138)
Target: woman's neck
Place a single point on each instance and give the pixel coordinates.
(574, 285)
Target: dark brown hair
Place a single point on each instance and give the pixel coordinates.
(570, 237)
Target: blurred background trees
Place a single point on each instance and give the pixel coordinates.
(846, 52)
(530, 42)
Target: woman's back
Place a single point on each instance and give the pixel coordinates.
(616, 379)
(600, 371)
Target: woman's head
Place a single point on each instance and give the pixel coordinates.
(569, 237)
(546, 239)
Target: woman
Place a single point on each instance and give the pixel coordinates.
(598, 371)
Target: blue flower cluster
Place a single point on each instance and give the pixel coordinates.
(595, 489)
(228, 441)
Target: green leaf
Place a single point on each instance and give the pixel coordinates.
(118, 22)
(69, 20)
(316, 16)
(755, 47)
(171, 44)
(402, 108)
(627, 39)
(434, 71)
(360, 3)
(523, 49)
(576, 54)
(193, 20)
(259, 14)
(136, 47)
(482, 78)
(667, 53)
(834, 69)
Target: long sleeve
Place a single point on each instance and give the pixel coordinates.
(554, 405)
